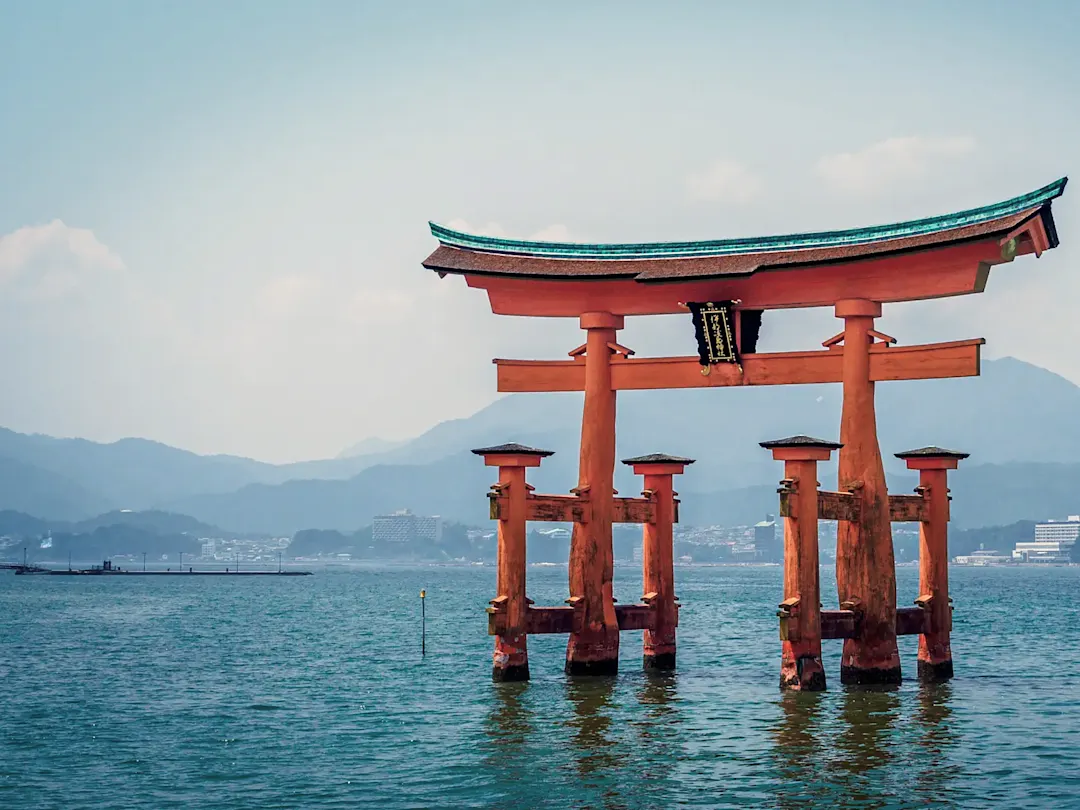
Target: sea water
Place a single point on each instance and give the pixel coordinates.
(311, 692)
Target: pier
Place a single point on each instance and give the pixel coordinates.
(726, 287)
(107, 570)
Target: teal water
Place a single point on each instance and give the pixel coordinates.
(311, 693)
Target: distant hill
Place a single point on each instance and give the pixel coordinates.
(361, 545)
(130, 473)
(1015, 413)
(36, 491)
(153, 520)
(371, 446)
(106, 542)
(113, 533)
(453, 487)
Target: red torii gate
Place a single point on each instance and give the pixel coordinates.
(853, 271)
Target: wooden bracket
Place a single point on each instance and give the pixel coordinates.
(789, 606)
(853, 604)
(618, 348)
(834, 341)
(786, 489)
(1033, 230)
(789, 615)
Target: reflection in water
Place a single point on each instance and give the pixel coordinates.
(936, 736)
(865, 743)
(591, 702)
(605, 768)
(510, 720)
(797, 755)
(868, 714)
(659, 731)
(827, 760)
(509, 726)
(845, 752)
(656, 694)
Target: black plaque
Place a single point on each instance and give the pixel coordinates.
(714, 326)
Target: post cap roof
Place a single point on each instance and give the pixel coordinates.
(932, 452)
(512, 449)
(658, 458)
(800, 441)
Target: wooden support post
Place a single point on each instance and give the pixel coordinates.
(511, 658)
(800, 612)
(935, 650)
(594, 650)
(865, 568)
(658, 557)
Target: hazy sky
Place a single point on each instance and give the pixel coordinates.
(212, 215)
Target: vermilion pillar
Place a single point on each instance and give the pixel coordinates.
(511, 659)
(594, 649)
(935, 651)
(865, 569)
(800, 612)
(658, 556)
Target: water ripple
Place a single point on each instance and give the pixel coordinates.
(215, 693)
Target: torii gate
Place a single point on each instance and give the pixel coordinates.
(853, 271)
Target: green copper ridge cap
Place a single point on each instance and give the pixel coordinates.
(763, 244)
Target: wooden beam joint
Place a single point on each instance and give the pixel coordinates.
(908, 509)
(550, 620)
(838, 506)
(574, 509)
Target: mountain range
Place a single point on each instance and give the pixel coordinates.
(1017, 420)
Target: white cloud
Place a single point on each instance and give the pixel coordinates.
(45, 247)
(725, 181)
(552, 233)
(889, 162)
(490, 229)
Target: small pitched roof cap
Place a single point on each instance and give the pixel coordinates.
(932, 452)
(512, 449)
(658, 458)
(800, 441)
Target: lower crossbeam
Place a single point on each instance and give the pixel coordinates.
(551, 620)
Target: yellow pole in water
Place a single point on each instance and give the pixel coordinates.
(423, 623)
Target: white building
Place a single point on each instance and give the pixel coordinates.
(209, 548)
(1067, 530)
(1052, 544)
(405, 527)
(983, 557)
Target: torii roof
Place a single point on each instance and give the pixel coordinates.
(1000, 216)
(1020, 225)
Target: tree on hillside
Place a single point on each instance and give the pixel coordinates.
(990, 538)
(314, 542)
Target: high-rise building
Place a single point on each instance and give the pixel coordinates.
(405, 527)
(766, 545)
(209, 548)
(1053, 542)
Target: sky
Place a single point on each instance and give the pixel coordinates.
(213, 215)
